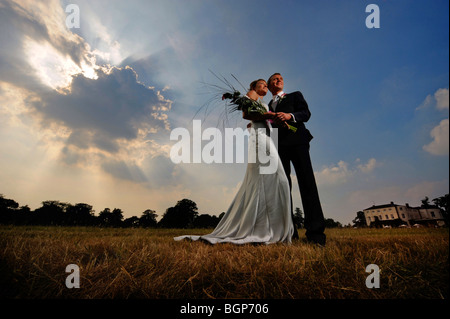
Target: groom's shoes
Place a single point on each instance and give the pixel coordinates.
(316, 237)
(318, 240)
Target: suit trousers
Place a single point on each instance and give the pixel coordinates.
(300, 158)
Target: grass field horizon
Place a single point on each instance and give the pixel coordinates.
(118, 263)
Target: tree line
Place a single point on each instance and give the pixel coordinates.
(55, 213)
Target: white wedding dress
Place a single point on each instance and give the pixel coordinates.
(261, 209)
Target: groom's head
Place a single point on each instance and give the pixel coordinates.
(275, 83)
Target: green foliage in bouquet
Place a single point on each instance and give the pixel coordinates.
(243, 103)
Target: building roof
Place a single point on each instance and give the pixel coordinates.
(428, 207)
(394, 205)
(382, 206)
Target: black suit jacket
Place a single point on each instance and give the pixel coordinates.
(295, 104)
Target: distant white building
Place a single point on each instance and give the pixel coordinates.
(395, 215)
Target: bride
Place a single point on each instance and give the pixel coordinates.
(261, 210)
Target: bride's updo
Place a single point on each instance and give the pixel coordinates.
(253, 84)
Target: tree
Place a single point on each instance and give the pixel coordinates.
(299, 221)
(443, 203)
(79, 215)
(7, 204)
(111, 219)
(23, 216)
(51, 213)
(131, 222)
(331, 223)
(180, 216)
(103, 217)
(148, 218)
(7, 210)
(206, 221)
(425, 202)
(360, 220)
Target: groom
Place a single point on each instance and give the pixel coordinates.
(294, 147)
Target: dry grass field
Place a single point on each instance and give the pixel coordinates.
(148, 263)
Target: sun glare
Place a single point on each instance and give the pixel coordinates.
(53, 68)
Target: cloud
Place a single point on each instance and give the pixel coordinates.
(426, 103)
(342, 172)
(440, 100)
(442, 97)
(399, 194)
(440, 134)
(124, 170)
(106, 48)
(369, 166)
(100, 112)
(111, 120)
(334, 174)
(31, 28)
(94, 115)
(440, 143)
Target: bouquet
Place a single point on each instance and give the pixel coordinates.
(244, 103)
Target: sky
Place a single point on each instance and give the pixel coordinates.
(87, 110)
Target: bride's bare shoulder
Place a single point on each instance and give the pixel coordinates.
(253, 95)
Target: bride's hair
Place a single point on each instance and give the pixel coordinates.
(253, 84)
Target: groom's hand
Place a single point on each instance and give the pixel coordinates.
(282, 117)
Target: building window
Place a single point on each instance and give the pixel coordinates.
(432, 214)
(392, 216)
(387, 217)
(403, 215)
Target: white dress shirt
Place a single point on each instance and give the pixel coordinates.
(275, 100)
